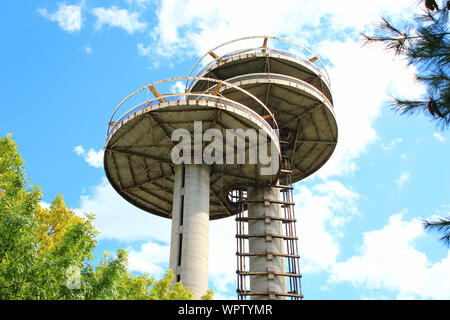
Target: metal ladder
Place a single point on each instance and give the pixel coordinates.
(292, 272)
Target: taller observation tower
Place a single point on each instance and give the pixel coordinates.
(253, 120)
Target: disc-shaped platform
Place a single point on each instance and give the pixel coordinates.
(138, 160)
(303, 113)
(262, 62)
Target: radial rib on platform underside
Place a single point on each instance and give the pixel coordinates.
(138, 160)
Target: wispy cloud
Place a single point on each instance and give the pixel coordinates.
(139, 3)
(79, 150)
(67, 16)
(120, 18)
(143, 50)
(88, 49)
(439, 137)
(404, 178)
(391, 145)
(92, 157)
(177, 87)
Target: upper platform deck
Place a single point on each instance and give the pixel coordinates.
(295, 89)
(262, 58)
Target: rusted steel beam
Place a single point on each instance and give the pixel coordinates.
(265, 235)
(156, 93)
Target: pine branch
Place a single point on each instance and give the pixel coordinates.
(441, 225)
(392, 37)
(437, 109)
(427, 47)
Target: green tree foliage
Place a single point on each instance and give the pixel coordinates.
(47, 253)
(425, 43)
(209, 295)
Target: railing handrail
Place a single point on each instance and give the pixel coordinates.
(112, 123)
(262, 47)
(283, 77)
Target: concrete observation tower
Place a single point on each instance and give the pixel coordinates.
(255, 118)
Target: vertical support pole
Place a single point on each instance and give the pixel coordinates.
(264, 245)
(190, 227)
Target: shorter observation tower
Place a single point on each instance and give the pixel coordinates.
(180, 156)
(141, 164)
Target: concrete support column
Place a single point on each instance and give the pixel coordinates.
(266, 229)
(190, 227)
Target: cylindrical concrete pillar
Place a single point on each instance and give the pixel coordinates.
(263, 229)
(190, 227)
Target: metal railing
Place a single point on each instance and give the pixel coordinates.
(137, 101)
(313, 62)
(307, 87)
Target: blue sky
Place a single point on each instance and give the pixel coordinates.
(66, 65)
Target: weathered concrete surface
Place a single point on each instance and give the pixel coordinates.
(191, 220)
(265, 244)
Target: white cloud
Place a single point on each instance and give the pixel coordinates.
(439, 137)
(88, 49)
(45, 205)
(358, 105)
(79, 150)
(404, 178)
(221, 296)
(198, 26)
(92, 157)
(139, 3)
(324, 210)
(388, 260)
(116, 17)
(391, 145)
(142, 50)
(67, 16)
(115, 218)
(151, 258)
(177, 87)
(222, 255)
